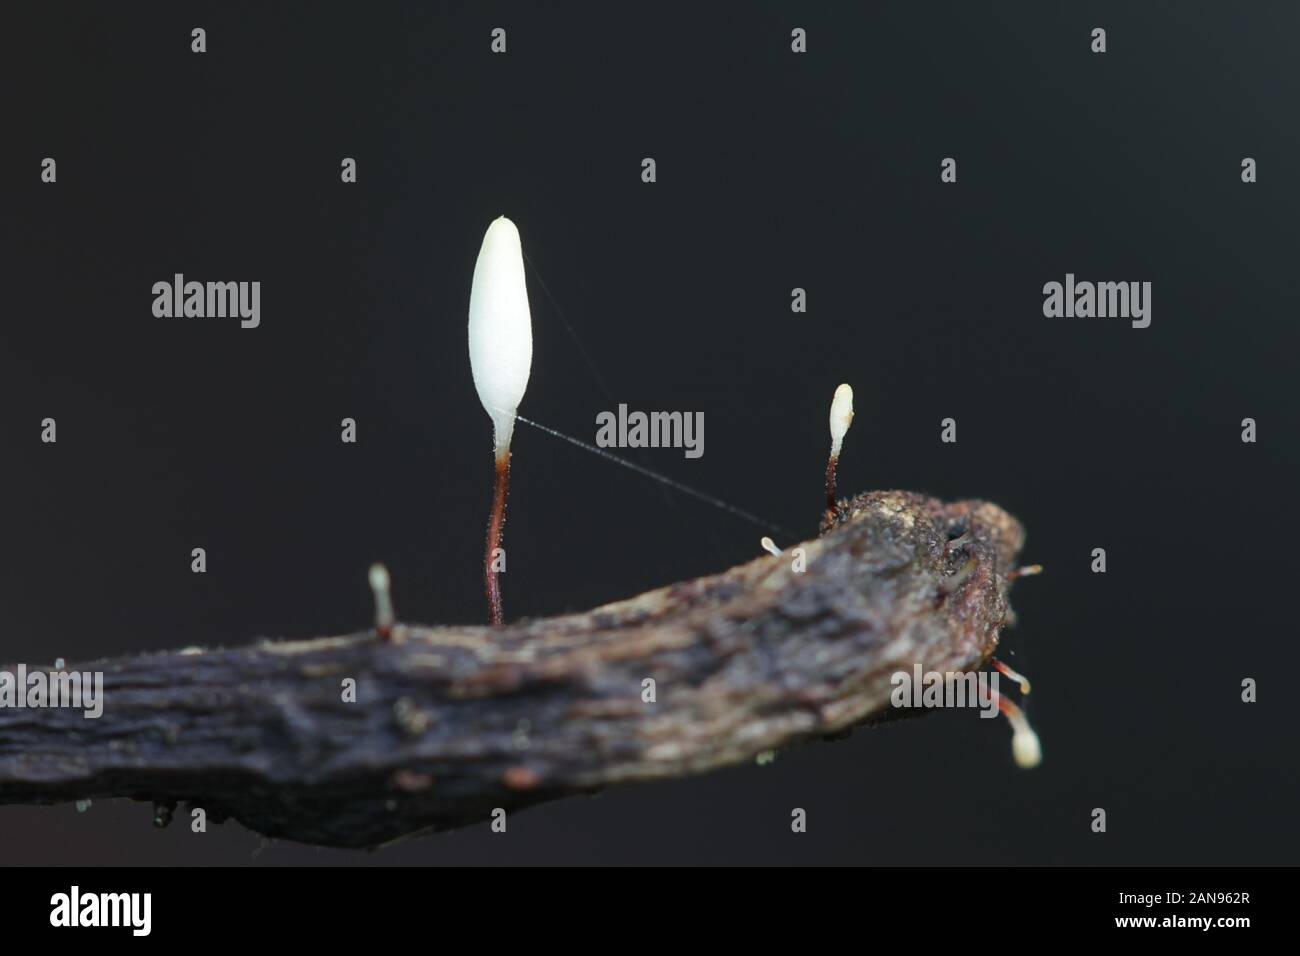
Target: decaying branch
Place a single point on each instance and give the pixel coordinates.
(451, 722)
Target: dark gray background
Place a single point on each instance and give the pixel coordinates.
(775, 171)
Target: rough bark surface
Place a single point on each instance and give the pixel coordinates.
(451, 722)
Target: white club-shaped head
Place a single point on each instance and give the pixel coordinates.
(500, 329)
(1026, 749)
(841, 417)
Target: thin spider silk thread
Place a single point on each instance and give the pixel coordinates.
(656, 476)
(582, 349)
(663, 482)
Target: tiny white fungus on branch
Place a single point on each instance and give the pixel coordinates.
(841, 417)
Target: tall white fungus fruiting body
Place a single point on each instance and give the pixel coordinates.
(500, 329)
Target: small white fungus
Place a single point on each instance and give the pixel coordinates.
(1026, 749)
(841, 417)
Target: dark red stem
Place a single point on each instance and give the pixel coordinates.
(496, 524)
(830, 483)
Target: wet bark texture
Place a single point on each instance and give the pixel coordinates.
(452, 722)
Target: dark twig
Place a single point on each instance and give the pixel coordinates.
(451, 722)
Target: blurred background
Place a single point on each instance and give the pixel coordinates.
(775, 171)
